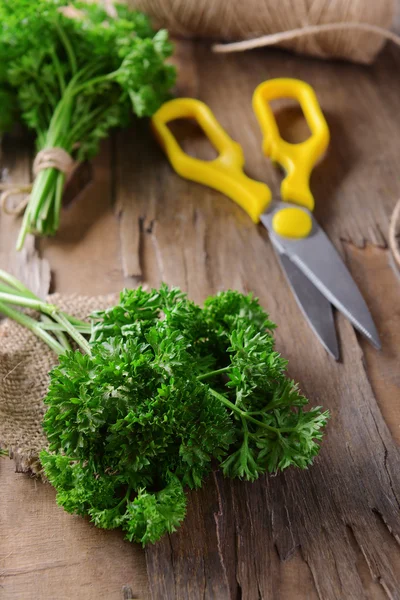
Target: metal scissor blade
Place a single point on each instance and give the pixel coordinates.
(317, 258)
(314, 306)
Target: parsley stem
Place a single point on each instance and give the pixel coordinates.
(50, 310)
(58, 333)
(67, 46)
(15, 283)
(212, 373)
(94, 81)
(15, 286)
(125, 498)
(83, 128)
(9, 290)
(58, 198)
(73, 332)
(36, 304)
(58, 70)
(50, 325)
(32, 325)
(246, 415)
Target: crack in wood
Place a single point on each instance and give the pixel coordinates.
(158, 253)
(217, 518)
(150, 226)
(36, 568)
(385, 459)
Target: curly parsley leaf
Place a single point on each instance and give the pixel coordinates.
(165, 390)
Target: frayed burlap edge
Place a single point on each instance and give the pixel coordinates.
(25, 363)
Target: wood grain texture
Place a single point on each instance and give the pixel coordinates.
(330, 532)
(374, 275)
(46, 553)
(16, 167)
(335, 512)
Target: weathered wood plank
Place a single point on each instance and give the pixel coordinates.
(335, 512)
(44, 552)
(16, 168)
(327, 533)
(85, 253)
(374, 275)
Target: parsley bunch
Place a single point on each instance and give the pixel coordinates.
(163, 390)
(71, 72)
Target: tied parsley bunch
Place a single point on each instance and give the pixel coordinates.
(163, 390)
(71, 72)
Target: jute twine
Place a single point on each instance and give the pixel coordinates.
(351, 29)
(25, 363)
(48, 158)
(305, 32)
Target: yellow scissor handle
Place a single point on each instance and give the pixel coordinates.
(225, 173)
(297, 160)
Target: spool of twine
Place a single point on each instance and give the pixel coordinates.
(351, 29)
(48, 158)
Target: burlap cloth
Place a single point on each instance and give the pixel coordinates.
(25, 362)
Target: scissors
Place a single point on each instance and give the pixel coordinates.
(313, 268)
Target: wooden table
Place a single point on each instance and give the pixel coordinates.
(329, 532)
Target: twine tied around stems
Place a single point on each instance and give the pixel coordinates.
(48, 158)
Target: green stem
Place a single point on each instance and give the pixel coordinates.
(59, 333)
(68, 47)
(77, 322)
(50, 325)
(74, 333)
(213, 373)
(33, 303)
(42, 213)
(16, 283)
(22, 290)
(246, 416)
(125, 498)
(245, 432)
(51, 100)
(95, 80)
(58, 119)
(60, 123)
(60, 181)
(32, 325)
(58, 70)
(50, 310)
(41, 188)
(6, 289)
(82, 128)
(45, 208)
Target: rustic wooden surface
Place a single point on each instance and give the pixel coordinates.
(330, 532)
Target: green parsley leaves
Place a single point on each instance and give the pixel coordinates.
(169, 389)
(71, 72)
(164, 391)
